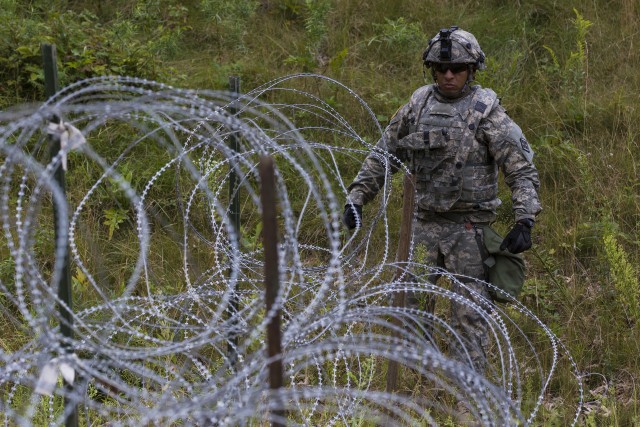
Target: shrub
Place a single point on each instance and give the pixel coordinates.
(85, 47)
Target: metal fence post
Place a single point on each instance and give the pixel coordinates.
(64, 284)
(404, 243)
(272, 286)
(234, 214)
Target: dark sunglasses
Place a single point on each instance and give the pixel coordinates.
(455, 68)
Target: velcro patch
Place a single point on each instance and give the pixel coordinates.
(524, 145)
(480, 107)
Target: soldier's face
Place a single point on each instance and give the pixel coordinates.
(451, 80)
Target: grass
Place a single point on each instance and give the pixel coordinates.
(566, 71)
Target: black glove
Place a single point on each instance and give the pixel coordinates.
(352, 216)
(519, 238)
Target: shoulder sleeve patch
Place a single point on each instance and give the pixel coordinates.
(518, 139)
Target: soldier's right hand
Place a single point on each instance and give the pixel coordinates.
(352, 216)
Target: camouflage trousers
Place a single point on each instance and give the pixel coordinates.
(453, 247)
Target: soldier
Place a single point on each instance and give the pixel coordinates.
(455, 137)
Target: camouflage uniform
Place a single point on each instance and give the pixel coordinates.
(455, 147)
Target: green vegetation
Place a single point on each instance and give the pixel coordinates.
(566, 71)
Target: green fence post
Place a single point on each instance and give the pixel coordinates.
(51, 86)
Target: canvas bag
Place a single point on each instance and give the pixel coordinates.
(505, 270)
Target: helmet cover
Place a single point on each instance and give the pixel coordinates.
(453, 45)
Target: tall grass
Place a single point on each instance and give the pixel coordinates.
(566, 71)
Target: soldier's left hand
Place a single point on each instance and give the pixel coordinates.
(519, 238)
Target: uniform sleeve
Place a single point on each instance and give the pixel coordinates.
(514, 156)
(380, 161)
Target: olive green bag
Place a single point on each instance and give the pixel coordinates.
(506, 270)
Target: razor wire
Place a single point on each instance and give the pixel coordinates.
(156, 343)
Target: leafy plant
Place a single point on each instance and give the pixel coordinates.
(398, 33)
(230, 20)
(316, 14)
(86, 47)
(316, 23)
(252, 241)
(113, 219)
(79, 279)
(570, 77)
(396, 40)
(624, 277)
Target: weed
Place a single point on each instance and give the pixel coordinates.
(229, 21)
(624, 276)
(113, 219)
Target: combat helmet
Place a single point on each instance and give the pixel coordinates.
(453, 45)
